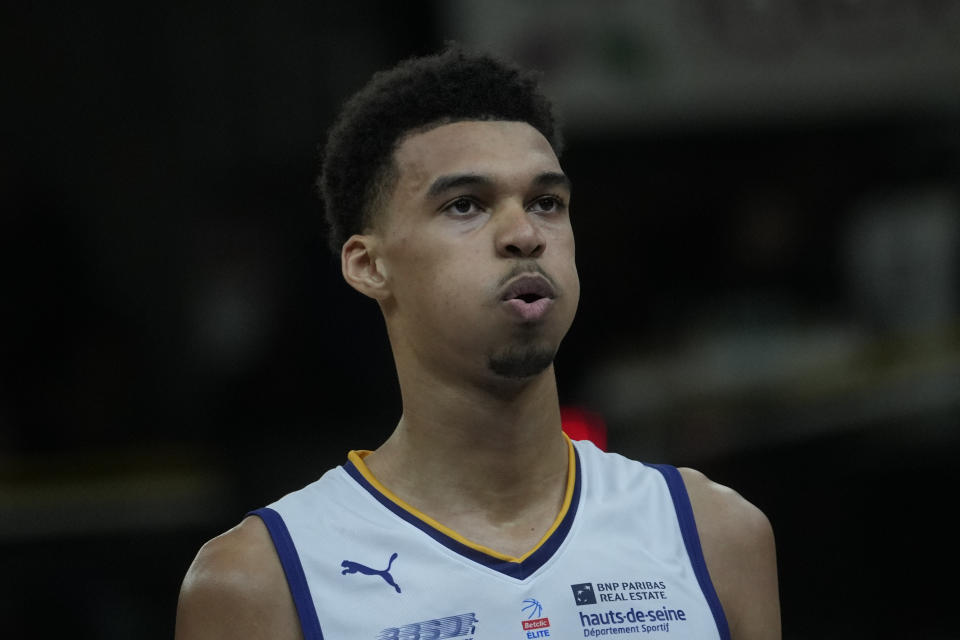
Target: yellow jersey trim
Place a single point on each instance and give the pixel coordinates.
(356, 457)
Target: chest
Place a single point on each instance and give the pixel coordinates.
(606, 575)
(617, 561)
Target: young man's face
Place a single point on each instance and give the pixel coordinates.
(478, 250)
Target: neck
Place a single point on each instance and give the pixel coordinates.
(459, 448)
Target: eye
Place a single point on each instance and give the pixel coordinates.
(547, 204)
(462, 207)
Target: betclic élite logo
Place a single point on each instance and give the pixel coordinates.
(536, 625)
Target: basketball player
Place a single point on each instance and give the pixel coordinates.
(478, 517)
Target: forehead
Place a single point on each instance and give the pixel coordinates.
(498, 149)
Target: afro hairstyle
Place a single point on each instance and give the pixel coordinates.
(416, 95)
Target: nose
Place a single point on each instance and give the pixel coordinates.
(518, 235)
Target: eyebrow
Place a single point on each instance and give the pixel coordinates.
(454, 181)
(457, 180)
(553, 179)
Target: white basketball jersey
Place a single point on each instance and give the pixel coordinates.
(622, 559)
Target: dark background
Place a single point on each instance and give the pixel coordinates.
(767, 224)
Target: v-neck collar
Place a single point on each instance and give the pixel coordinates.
(515, 567)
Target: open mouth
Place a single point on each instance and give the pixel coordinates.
(529, 298)
(529, 289)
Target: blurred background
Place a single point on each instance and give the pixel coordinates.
(767, 209)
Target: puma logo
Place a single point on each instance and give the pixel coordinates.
(350, 566)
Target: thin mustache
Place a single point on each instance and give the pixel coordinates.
(521, 268)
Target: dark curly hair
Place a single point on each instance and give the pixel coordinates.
(417, 94)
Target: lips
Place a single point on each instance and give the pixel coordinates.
(529, 297)
(528, 289)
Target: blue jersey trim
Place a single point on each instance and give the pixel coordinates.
(518, 570)
(296, 579)
(691, 540)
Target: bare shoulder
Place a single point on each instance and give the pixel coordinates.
(723, 513)
(236, 588)
(738, 546)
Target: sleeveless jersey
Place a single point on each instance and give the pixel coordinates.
(622, 559)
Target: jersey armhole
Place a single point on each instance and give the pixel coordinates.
(293, 570)
(691, 540)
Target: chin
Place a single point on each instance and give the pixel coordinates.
(523, 362)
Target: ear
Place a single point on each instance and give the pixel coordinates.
(362, 268)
